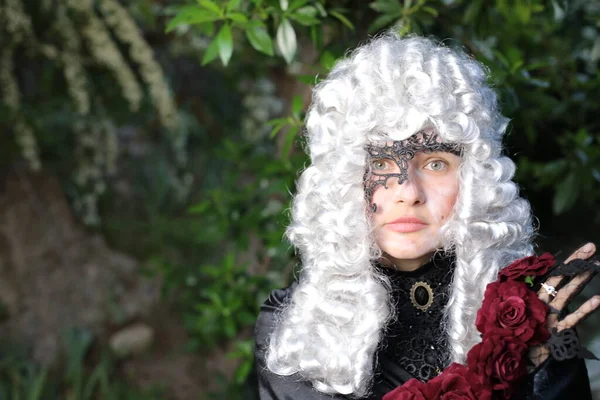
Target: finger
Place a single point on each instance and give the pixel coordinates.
(552, 321)
(553, 281)
(570, 290)
(581, 313)
(583, 253)
(538, 354)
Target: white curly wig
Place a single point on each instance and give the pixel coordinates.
(388, 89)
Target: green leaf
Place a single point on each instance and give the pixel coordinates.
(225, 43)
(38, 385)
(523, 12)
(308, 79)
(552, 171)
(529, 280)
(206, 28)
(327, 60)
(286, 40)
(290, 137)
(514, 55)
(502, 58)
(237, 17)
(214, 298)
(387, 7)
(430, 10)
(567, 192)
(233, 5)
(199, 208)
(211, 270)
(405, 26)
(342, 19)
(242, 372)
(230, 328)
(212, 51)
(276, 129)
(297, 105)
(247, 318)
(309, 11)
(209, 5)
(515, 67)
(321, 9)
(259, 39)
(277, 121)
(383, 21)
(304, 19)
(472, 11)
(191, 15)
(316, 35)
(306, 16)
(297, 4)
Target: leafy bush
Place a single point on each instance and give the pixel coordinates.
(20, 378)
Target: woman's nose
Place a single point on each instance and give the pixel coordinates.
(411, 190)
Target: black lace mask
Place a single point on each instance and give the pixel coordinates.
(401, 152)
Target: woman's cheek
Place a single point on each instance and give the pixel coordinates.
(441, 203)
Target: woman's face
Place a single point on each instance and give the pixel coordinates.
(408, 215)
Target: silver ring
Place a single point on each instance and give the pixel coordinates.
(551, 290)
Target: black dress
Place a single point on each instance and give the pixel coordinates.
(413, 346)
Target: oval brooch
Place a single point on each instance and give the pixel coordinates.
(421, 295)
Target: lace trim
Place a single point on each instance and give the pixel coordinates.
(565, 345)
(574, 267)
(416, 339)
(401, 152)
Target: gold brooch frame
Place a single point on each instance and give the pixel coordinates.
(413, 298)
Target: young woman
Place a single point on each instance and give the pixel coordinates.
(406, 213)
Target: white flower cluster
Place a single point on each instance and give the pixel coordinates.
(94, 165)
(86, 33)
(18, 26)
(261, 103)
(71, 60)
(106, 52)
(126, 30)
(124, 27)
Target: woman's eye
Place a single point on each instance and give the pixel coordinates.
(437, 165)
(378, 165)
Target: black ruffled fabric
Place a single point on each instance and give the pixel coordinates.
(415, 339)
(405, 351)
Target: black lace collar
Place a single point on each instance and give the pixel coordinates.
(415, 339)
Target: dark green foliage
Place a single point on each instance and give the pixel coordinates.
(542, 57)
(20, 378)
(221, 250)
(238, 224)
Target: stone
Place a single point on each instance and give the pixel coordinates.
(132, 340)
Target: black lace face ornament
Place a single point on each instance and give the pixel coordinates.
(400, 152)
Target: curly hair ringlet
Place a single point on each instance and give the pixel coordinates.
(388, 89)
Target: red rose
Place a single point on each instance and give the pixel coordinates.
(500, 359)
(413, 389)
(531, 265)
(512, 305)
(457, 382)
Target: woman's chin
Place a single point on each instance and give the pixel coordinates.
(407, 261)
(402, 247)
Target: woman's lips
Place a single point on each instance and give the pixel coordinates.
(406, 225)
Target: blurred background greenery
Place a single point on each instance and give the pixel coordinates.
(170, 131)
